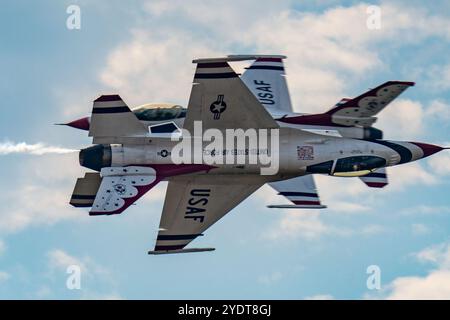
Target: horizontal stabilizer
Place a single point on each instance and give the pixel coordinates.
(361, 110)
(85, 190)
(295, 206)
(189, 250)
(121, 187)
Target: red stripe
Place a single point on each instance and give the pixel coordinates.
(376, 184)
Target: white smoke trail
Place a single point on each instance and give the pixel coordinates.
(40, 148)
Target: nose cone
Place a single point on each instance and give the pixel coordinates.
(82, 123)
(428, 149)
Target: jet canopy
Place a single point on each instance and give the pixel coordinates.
(159, 112)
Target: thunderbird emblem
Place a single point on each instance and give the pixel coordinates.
(120, 188)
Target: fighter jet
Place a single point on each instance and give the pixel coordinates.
(135, 150)
(266, 80)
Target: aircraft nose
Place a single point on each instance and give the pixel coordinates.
(82, 123)
(428, 149)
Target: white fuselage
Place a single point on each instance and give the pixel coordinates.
(297, 152)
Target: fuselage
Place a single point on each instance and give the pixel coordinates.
(297, 153)
(152, 114)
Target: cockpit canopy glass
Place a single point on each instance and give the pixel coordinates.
(159, 112)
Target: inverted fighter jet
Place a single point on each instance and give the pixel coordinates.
(130, 156)
(267, 81)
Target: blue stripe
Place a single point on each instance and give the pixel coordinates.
(375, 175)
(215, 75)
(213, 65)
(111, 110)
(405, 153)
(298, 194)
(83, 196)
(177, 236)
(167, 248)
(266, 68)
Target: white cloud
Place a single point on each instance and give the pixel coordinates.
(372, 229)
(59, 259)
(269, 279)
(440, 163)
(335, 52)
(41, 195)
(437, 254)
(434, 285)
(425, 209)
(418, 229)
(2, 247)
(402, 119)
(410, 174)
(95, 279)
(436, 77)
(151, 67)
(439, 110)
(299, 224)
(4, 276)
(34, 204)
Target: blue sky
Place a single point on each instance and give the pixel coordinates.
(143, 51)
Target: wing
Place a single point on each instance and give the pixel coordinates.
(194, 203)
(377, 179)
(301, 191)
(361, 110)
(120, 187)
(266, 79)
(220, 100)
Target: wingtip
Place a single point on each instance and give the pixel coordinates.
(406, 83)
(108, 97)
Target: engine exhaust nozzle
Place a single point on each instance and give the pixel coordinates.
(96, 157)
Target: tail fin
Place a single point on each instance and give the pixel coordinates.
(376, 179)
(266, 80)
(111, 117)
